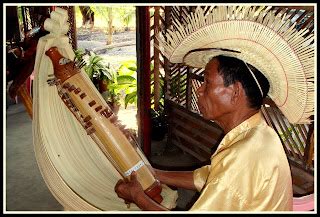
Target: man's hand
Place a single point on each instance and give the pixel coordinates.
(132, 192)
(129, 189)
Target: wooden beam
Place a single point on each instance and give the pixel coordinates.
(143, 78)
(156, 76)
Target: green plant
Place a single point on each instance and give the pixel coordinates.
(102, 75)
(126, 82)
(97, 69)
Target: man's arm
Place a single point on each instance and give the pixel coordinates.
(131, 191)
(180, 179)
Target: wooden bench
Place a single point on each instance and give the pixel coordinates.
(192, 133)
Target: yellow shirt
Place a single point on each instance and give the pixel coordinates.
(249, 172)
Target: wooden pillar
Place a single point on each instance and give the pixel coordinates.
(73, 29)
(156, 55)
(143, 78)
(167, 70)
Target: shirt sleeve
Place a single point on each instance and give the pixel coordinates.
(200, 176)
(217, 197)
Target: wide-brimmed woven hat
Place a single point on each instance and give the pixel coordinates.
(269, 42)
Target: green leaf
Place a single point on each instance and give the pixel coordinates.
(133, 68)
(126, 79)
(130, 98)
(107, 74)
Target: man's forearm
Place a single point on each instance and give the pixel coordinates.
(180, 179)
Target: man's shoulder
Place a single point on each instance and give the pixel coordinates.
(262, 133)
(261, 142)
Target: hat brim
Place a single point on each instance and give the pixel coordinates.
(276, 54)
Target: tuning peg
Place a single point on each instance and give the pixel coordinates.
(51, 81)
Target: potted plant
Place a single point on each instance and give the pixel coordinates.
(112, 92)
(102, 76)
(126, 81)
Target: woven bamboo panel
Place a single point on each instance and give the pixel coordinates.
(192, 133)
(30, 16)
(177, 75)
(157, 58)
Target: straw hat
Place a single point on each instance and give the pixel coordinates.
(257, 36)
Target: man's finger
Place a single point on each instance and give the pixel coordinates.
(133, 175)
(118, 183)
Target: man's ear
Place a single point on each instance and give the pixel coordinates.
(237, 92)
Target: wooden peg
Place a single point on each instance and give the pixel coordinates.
(88, 118)
(78, 90)
(71, 88)
(66, 85)
(90, 131)
(98, 108)
(83, 95)
(92, 103)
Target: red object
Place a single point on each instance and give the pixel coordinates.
(29, 82)
(144, 77)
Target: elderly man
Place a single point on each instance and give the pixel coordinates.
(248, 53)
(249, 170)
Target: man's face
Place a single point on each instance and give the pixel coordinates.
(213, 97)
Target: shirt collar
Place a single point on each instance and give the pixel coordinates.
(239, 132)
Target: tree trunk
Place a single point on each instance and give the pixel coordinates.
(110, 27)
(87, 16)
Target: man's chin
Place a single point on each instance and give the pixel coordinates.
(204, 115)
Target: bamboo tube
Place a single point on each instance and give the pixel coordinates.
(100, 120)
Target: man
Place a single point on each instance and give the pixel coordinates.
(248, 52)
(249, 170)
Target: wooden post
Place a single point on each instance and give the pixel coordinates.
(156, 52)
(167, 70)
(73, 28)
(143, 77)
